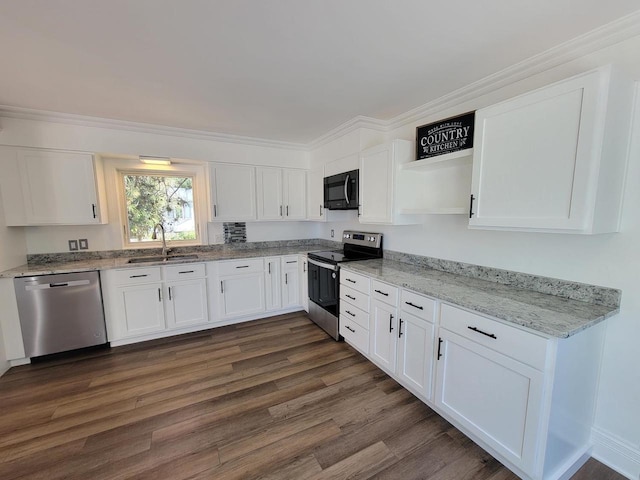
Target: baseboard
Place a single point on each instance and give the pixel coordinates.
(616, 453)
(19, 361)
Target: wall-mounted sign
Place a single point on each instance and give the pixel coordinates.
(445, 136)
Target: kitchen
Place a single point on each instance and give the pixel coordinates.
(605, 260)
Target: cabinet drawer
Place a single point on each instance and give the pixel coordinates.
(384, 292)
(354, 314)
(133, 276)
(355, 280)
(290, 262)
(418, 305)
(184, 272)
(354, 297)
(354, 334)
(513, 342)
(250, 265)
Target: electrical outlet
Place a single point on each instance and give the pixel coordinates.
(332, 233)
(73, 245)
(83, 244)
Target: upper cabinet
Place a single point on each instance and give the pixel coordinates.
(44, 187)
(379, 167)
(554, 159)
(233, 193)
(315, 195)
(281, 193)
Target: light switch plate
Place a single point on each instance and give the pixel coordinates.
(73, 245)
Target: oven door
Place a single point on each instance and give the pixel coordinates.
(323, 285)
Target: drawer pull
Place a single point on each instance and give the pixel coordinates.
(293, 261)
(349, 280)
(381, 293)
(400, 329)
(138, 276)
(187, 271)
(349, 328)
(349, 296)
(352, 314)
(414, 305)
(477, 330)
(242, 266)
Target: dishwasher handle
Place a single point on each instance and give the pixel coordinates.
(45, 286)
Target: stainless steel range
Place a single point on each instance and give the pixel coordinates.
(324, 276)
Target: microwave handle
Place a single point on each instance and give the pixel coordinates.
(346, 189)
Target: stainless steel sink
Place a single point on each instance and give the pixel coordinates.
(170, 258)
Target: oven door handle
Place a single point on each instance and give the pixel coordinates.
(346, 190)
(323, 265)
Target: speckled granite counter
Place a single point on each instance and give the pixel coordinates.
(85, 265)
(548, 314)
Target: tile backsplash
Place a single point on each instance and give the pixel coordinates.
(235, 232)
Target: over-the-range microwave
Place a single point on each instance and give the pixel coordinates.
(341, 191)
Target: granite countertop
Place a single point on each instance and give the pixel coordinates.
(122, 262)
(547, 314)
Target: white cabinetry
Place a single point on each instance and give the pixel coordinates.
(315, 195)
(354, 310)
(272, 279)
(233, 192)
(44, 187)
(238, 288)
(382, 340)
(281, 194)
(554, 159)
(290, 282)
(304, 282)
(186, 295)
(378, 192)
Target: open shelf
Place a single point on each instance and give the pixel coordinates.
(454, 159)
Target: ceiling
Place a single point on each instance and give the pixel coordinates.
(286, 70)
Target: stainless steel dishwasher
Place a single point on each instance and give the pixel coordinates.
(60, 312)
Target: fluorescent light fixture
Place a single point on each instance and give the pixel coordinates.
(149, 160)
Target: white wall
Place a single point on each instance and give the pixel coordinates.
(610, 260)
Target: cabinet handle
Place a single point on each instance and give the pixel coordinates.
(349, 296)
(477, 330)
(222, 286)
(439, 345)
(286, 278)
(349, 280)
(414, 305)
(93, 209)
(170, 293)
(186, 271)
(390, 323)
(400, 329)
(471, 206)
(352, 314)
(269, 267)
(159, 295)
(242, 266)
(215, 210)
(138, 276)
(280, 210)
(292, 261)
(350, 329)
(304, 267)
(320, 210)
(287, 210)
(381, 293)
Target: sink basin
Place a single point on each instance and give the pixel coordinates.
(170, 258)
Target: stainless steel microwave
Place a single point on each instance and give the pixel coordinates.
(341, 191)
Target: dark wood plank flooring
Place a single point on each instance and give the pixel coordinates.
(270, 399)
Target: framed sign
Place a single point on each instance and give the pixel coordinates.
(445, 136)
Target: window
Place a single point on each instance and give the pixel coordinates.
(152, 198)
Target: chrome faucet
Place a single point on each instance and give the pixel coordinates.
(165, 250)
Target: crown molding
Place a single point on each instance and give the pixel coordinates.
(349, 126)
(97, 122)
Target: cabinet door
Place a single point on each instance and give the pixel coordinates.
(272, 283)
(315, 195)
(415, 354)
(534, 156)
(58, 188)
(290, 282)
(295, 194)
(383, 336)
(494, 397)
(304, 282)
(234, 193)
(141, 309)
(241, 295)
(270, 202)
(376, 185)
(187, 303)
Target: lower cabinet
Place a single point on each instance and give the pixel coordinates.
(140, 310)
(415, 354)
(239, 288)
(304, 282)
(272, 279)
(290, 281)
(187, 303)
(383, 339)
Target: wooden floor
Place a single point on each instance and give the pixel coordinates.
(271, 399)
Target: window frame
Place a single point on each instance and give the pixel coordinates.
(198, 174)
